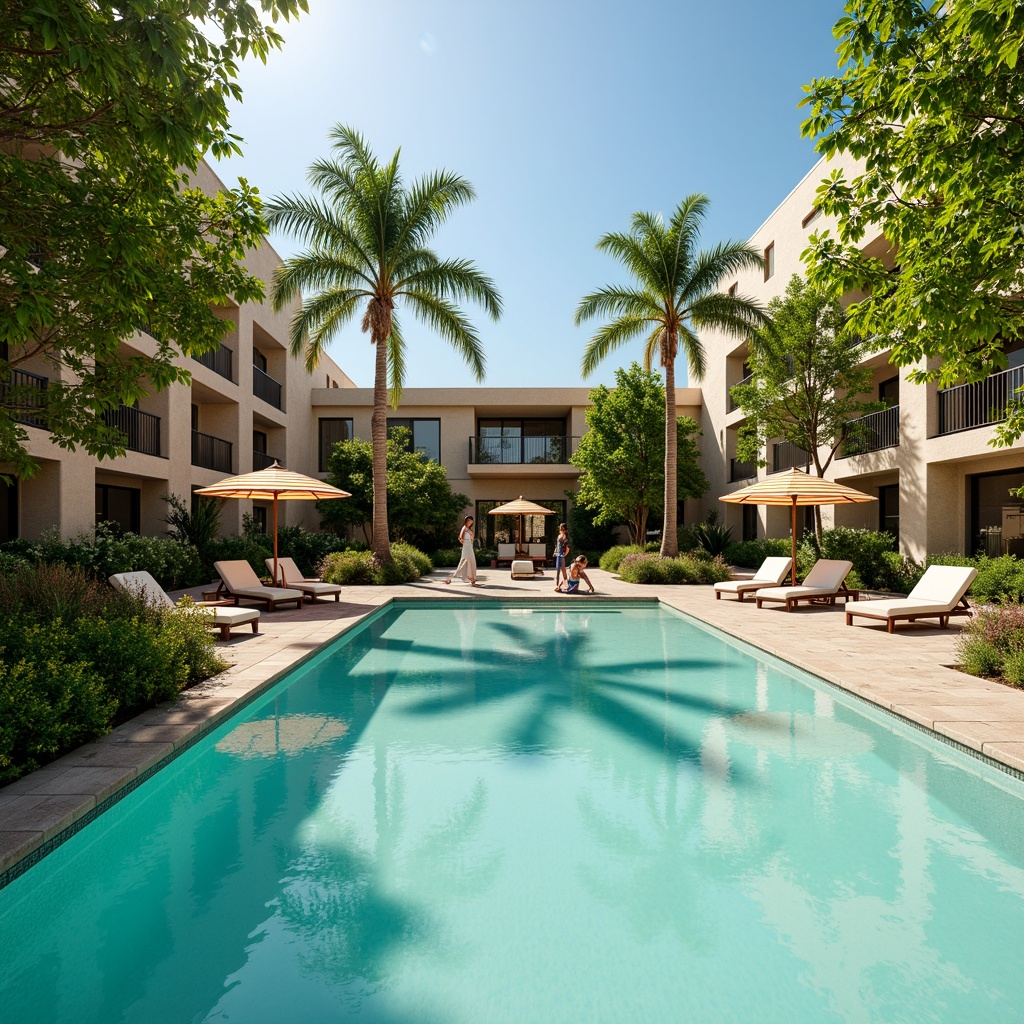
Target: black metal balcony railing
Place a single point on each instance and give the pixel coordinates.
(786, 455)
(264, 386)
(219, 360)
(25, 391)
(261, 460)
(211, 452)
(740, 470)
(141, 429)
(732, 401)
(872, 433)
(514, 451)
(976, 405)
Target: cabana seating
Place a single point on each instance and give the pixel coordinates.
(824, 583)
(240, 581)
(288, 575)
(771, 574)
(939, 594)
(219, 614)
(506, 554)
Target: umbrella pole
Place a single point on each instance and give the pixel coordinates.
(793, 576)
(275, 539)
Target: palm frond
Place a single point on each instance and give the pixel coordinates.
(451, 323)
(609, 338)
(696, 363)
(316, 322)
(428, 204)
(652, 347)
(630, 251)
(733, 314)
(457, 279)
(396, 363)
(722, 260)
(317, 270)
(615, 301)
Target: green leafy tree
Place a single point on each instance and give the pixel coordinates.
(930, 99)
(674, 296)
(366, 238)
(422, 507)
(622, 454)
(105, 112)
(807, 385)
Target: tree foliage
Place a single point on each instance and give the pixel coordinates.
(622, 454)
(366, 236)
(105, 112)
(806, 382)
(931, 100)
(422, 507)
(675, 295)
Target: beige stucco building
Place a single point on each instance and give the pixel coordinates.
(940, 484)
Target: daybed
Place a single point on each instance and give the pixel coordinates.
(771, 574)
(823, 584)
(939, 594)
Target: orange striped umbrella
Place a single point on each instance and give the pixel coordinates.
(271, 484)
(793, 488)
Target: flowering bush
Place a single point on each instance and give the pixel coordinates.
(992, 644)
(653, 569)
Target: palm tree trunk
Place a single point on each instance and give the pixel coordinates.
(670, 531)
(379, 435)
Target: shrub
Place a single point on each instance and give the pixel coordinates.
(992, 643)
(449, 558)
(864, 548)
(749, 554)
(711, 535)
(648, 568)
(309, 547)
(612, 558)
(418, 563)
(897, 573)
(347, 568)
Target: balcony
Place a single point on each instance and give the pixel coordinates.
(521, 451)
(219, 360)
(211, 452)
(739, 470)
(141, 429)
(24, 394)
(261, 460)
(264, 386)
(786, 455)
(967, 406)
(732, 402)
(872, 433)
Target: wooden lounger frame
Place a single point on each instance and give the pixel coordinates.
(963, 608)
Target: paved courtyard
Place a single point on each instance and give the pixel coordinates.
(910, 673)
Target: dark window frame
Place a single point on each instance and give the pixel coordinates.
(11, 532)
(409, 422)
(322, 453)
(134, 509)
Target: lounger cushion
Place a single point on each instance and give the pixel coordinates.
(522, 567)
(944, 584)
(265, 593)
(886, 607)
(771, 573)
(288, 573)
(742, 586)
(824, 579)
(144, 583)
(241, 581)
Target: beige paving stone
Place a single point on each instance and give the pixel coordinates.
(1009, 753)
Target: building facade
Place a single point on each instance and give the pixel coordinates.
(927, 457)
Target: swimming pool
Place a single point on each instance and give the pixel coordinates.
(596, 813)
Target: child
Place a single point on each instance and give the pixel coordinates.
(561, 553)
(577, 572)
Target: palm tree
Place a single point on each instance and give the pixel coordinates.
(366, 238)
(676, 294)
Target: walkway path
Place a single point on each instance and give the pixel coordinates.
(909, 673)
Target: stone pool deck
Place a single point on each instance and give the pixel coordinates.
(909, 673)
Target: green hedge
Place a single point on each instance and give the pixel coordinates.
(77, 657)
(361, 568)
(651, 568)
(612, 558)
(749, 554)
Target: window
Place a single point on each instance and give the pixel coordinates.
(259, 442)
(195, 416)
(811, 217)
(749, 522)
(8, 510)
(259, 360)
(995, 514)
(889, 509)
(769, 261)
(889, 392)
(119, 506)
(332, 430)
(495, 530)
(426, 436)
(259, 517)
(520, 441)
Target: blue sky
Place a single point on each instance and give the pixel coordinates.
(566, 117)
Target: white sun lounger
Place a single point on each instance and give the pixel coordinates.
(771, 574)
(288, 575)
(940, 593)
(823, 583)
(240, 581)
(219, 615)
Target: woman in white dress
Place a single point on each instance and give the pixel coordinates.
(467, 564)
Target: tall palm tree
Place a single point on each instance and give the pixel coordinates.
(675, 295)
(366, 237)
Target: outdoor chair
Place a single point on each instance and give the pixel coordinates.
(537, 553)
(771, 574)
(940, 593)
(823, 584)
(240, 581)
(218, 613)
(506, 554)
(288, 575)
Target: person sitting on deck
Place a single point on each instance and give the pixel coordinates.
(577, 572)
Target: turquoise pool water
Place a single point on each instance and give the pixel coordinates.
(599, 813)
